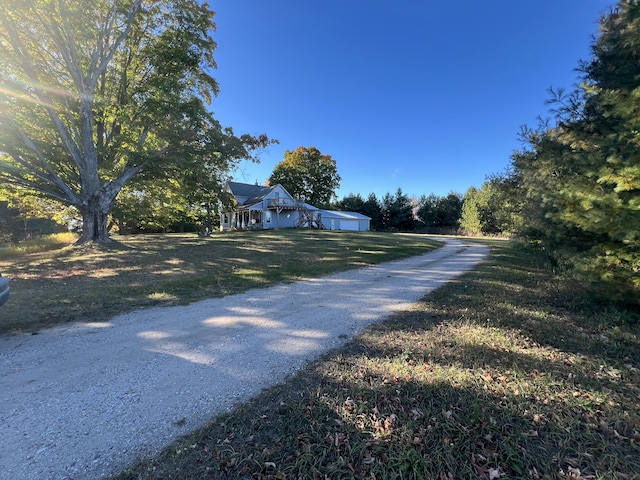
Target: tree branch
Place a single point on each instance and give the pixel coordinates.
(51, 175)
(110, 52)
(47, 104)
(20, 181)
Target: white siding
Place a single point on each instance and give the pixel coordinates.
(349, 225)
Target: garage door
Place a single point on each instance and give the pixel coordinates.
(349, 225)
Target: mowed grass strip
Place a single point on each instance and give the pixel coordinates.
(93, 284)
(508, 372)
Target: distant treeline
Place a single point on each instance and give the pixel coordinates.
(399, 212)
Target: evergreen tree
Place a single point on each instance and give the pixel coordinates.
(470, 219)
(373, 210)
(582, 175)
(351, 203)
(440, 213)
(397, 212)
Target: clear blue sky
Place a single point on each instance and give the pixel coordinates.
(423, 95)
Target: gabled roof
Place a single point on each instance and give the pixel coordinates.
(343, 215)
(248, 190)
(250, 193)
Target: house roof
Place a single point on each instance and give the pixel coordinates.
(343, 215)
(253, 193)
(248, 190)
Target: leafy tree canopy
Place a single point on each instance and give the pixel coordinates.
(96, 92)
(494, 208)
(308, 174)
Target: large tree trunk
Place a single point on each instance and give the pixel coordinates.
(95, 221)
(96, 208)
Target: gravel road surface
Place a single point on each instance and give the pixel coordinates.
(83, 401)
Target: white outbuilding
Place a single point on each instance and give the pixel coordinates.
(336, 220)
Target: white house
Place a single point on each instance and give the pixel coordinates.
(261, 207)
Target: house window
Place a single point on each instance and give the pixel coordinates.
(225, 218)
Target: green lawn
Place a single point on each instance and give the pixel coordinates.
(511, 371)
(91, 284)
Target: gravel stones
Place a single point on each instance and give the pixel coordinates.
(83, 401)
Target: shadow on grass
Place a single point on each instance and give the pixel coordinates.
(501, 374)
(343, 420)
(93, 284)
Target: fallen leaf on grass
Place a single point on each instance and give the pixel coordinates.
(539, 419)
(618, 436)
(576, 474)
(389, 421)
(415, 413)
(614, 373)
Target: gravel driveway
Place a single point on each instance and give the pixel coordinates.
(84, 401)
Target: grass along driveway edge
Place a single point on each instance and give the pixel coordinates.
(508, 372)
(93, 284)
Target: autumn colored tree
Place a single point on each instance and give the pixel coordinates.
(308, 174)
(96, 92)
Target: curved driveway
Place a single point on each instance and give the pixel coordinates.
(84, 401)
